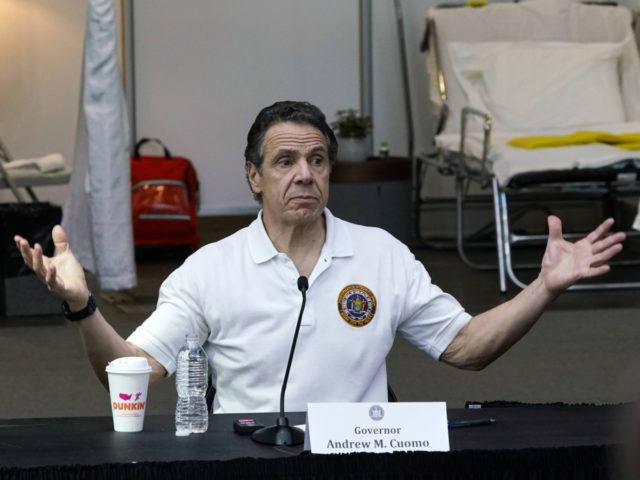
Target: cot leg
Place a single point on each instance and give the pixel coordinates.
(506, 235)
(499, 235)
(460, 194)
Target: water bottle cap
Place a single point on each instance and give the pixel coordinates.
(192, 338)
(128, 365)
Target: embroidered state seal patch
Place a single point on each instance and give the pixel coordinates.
(357, 305)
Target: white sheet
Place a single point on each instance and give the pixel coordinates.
(537, 21)
(506, 162)
(533, 85)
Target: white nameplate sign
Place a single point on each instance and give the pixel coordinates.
(376, 427)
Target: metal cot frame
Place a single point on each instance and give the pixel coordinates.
(605, 184)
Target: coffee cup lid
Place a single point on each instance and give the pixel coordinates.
(129, 365)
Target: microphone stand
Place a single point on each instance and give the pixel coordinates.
(282, 433)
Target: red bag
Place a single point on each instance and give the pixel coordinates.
(164, 199)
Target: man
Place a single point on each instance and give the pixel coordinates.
(240, 295)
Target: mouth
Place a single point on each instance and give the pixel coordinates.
(303, 198)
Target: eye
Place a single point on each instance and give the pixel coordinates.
(318, 160)
(284, 161)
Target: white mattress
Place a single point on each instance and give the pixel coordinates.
(507, 162)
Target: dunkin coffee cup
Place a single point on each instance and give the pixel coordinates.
(128, 382)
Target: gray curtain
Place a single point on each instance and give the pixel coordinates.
(97, 213)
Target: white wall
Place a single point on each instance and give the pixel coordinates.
(41, 50)
(390, 123)
(389, 112)
(204, 68)
(203, 72)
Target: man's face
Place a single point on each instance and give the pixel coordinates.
(294, 181)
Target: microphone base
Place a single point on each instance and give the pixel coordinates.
(280, 434)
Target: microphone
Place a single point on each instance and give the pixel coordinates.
(282, 433)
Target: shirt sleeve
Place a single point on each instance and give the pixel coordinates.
(178, 313)
(432, 318)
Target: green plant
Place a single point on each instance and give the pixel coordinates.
(350, 124)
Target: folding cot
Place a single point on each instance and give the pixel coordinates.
(25, 174)
(538, 99)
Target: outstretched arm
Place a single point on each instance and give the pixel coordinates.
(63, 275)
(490, 334)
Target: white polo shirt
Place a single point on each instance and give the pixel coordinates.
(240, 296)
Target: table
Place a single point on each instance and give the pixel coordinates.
(547, 441)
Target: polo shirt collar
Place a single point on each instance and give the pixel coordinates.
(338, 242)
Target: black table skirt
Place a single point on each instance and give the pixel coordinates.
(545, 443)
(591, 463)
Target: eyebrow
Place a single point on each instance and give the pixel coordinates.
(319, 148)
(281, 152)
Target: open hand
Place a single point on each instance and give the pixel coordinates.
(62, 273)
(564, 263)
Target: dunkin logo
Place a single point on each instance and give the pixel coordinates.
(127, 403)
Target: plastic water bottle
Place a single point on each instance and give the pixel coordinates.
(191, 383)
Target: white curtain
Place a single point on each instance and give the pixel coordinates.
(97, 213)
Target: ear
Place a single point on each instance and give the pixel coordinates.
(254, 177)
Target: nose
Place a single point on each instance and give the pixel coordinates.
(303, 171)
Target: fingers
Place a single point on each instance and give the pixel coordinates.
(51, 279)
(600, 230)
(38, 261)
(34, 258)
(45, 269)
(25, 250)
(596, 271)
(606, 255)
(609, 241)
(555, 228)
(60, 240)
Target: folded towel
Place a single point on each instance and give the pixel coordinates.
(628, 145)
(46, 164)
(627, 141)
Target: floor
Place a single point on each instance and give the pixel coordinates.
(584, 349)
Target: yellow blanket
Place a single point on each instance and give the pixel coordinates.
(627, 141)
